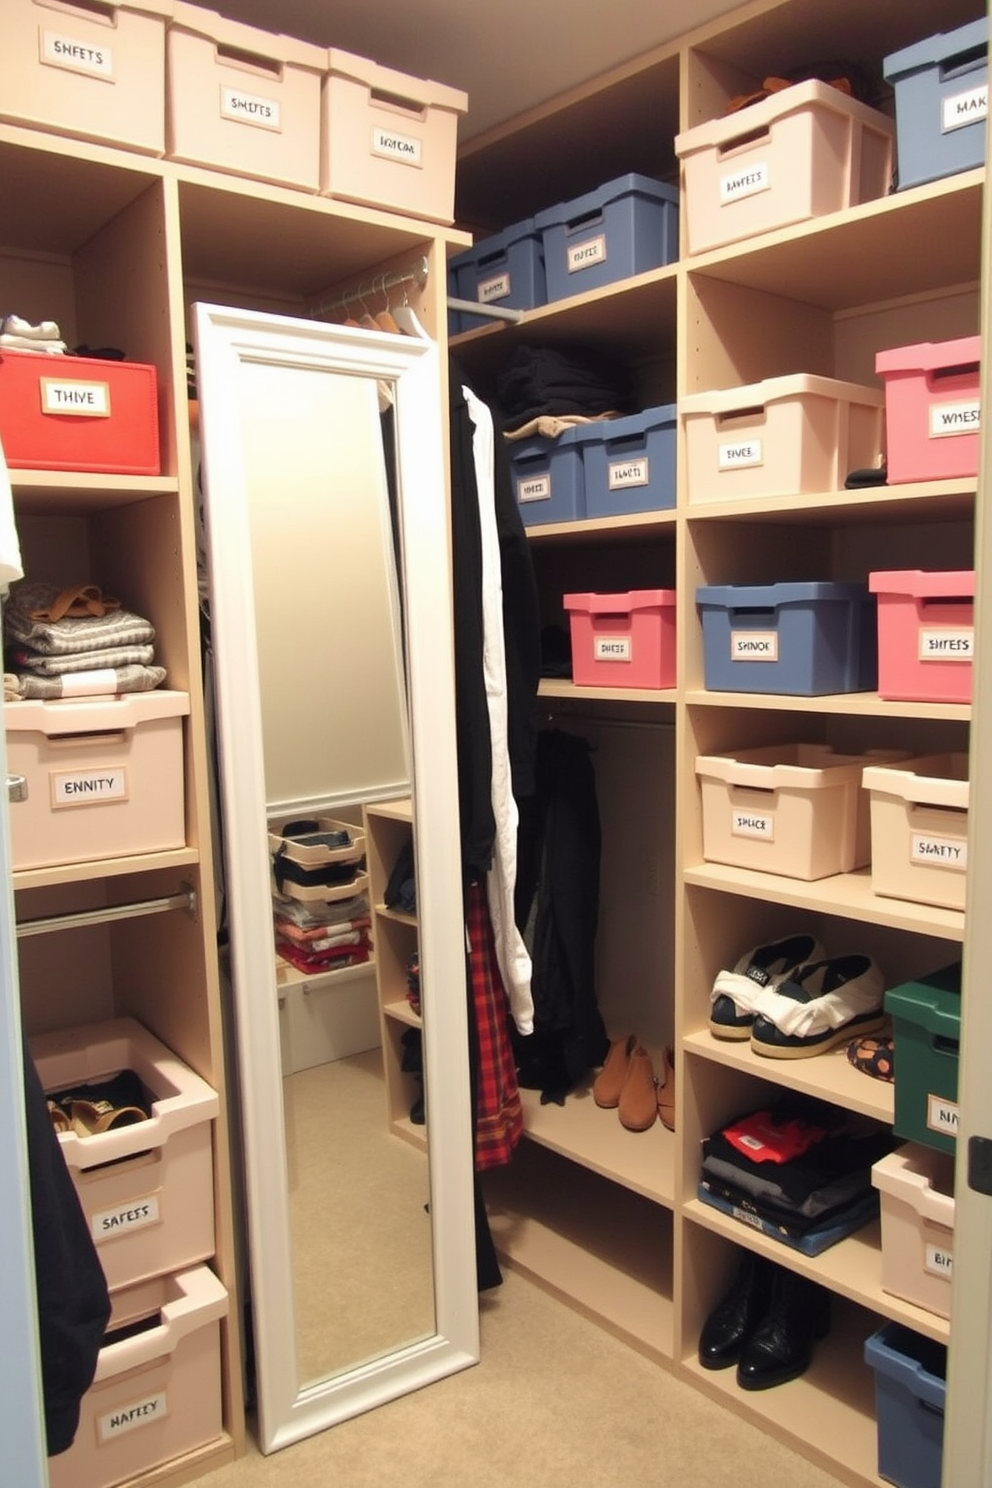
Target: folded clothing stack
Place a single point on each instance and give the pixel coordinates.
(74, 642)
(18, 334)
(324, 935)
(319, 926)
(545, 382)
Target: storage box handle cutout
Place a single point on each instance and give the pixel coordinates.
(268, 67)
(397, 104)
(89, 10)
(741, 141)
(963, 62)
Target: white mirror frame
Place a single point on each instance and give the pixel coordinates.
(224, 338)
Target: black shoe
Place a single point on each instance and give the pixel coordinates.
(781, 1346)
(733, 1320)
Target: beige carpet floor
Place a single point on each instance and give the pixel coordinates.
(555, 1401)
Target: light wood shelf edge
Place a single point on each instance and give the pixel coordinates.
(41, 878)
(593, 1137)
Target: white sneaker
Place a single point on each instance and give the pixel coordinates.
(45, 330)
(735, 993)
(822, 1005)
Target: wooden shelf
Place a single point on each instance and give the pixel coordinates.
(402, 1012)
(66, 873)
(602, 529)
(828, 1076)
(555, 687)
(399, 810)
(592, 1137)
(288, 975)
(922, 501)
(866, 704)
(398, 916)
(66, 492)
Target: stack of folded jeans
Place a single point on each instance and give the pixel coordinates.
(75, 642)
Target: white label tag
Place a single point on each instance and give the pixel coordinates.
(76, 56)
(942, 1115)
(611, 648)
(754, 645)
(941, 643)
(955, 418)
(404, 149)
(627, 473)
(737, 456)
(86, 399)
(248, 108)
(759, 824)
(964, 108)
(938, 852)
(88, 787)
(584, 255)
(747, 182)
(939, 1261)
(137, 1215)
(746, 1218)
(493, 289)
(87, 684)
(130, 1417)
(536, 488)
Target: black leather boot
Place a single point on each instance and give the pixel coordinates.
(733, 1320)
(781, 1346)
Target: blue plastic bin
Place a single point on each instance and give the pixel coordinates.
(910, 1395)
(805, 639)
(630, 466)
(941, 87)
(549, 477)
(506, 269)
(626, 227)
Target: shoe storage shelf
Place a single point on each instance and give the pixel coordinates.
(818, 298)
(115, 247)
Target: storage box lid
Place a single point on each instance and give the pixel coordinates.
(93, 715)
(495, 243)
(753, 397)
(921, 1177)
(773, 596)
(620, 604)
(396, 88)
(931, 780)
(780, 766)
(924, 583)
(933, 1001)
(931, 356)
(933, 51)
(547, 445)
(637, 423)
(633, 184)
(739, 128)
(268, 46)
(917, 1364)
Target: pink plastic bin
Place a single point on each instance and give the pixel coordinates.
(932, 409)
(623, 640)
(926, 635)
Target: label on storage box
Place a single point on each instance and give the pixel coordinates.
(86, 399)
(738, 456)
(955, 418)
(493, 289)
(122, 1418)
(124, 1219)
(536, 488)
(746, 182)
(760, 824)
(403, 148)
(941, 643)
(964, 108)
(939, 1261)
(942, 1115)
(754, 645)
(624, 473)
(77, 56)
(612, 648)
(248, 108)
(88, 787)
(583, 255)
(938, 852)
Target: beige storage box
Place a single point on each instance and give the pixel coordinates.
(104, 777)
(242, 100)
(794, 809)
(92, 70)
(782, 437)
(157, 1394)
(801, 153)
(146, 1189)
(916, 1188)
(389, 140)
(919, 829)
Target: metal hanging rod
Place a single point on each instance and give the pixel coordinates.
(416, 273)
(184, 899)
(496, 312)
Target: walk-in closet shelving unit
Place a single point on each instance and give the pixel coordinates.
(115, 247)
(821, 297)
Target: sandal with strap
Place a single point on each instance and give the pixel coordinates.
(92, 1118)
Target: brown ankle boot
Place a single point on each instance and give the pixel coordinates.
(638, 1106)
(609, 1082)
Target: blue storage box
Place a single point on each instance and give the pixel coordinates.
(626, 227)
(806, 639)
(910, 1396)
(549, 477)
(506, 269)
(630, 467)
(941, 87)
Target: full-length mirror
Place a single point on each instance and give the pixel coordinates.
(325, 513)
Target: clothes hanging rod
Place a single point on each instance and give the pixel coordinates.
(496, 312)
(184, 899)
(416, 273)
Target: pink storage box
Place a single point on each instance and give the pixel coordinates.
(389, 140)
(147, 1189)
(104, 777)
(801, 153)
(243, 100)
(919, 829)
(916, 1192)
(623, 640)
(926, 635)
(780, 437)
(94, 71)
(932, 409)
(157, 1394)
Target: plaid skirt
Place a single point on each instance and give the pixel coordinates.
(498, 1114)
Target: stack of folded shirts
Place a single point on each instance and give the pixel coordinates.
(323, 935)
(546, 381)
(798, 1171)
(74, 642)
(18, 334)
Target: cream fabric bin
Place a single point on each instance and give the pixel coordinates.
(104, 777)
(389, 140)
(146, 1189)
(919, 829)
(916, 1185)
(242, 100)
(96, 71)
(157, 1394)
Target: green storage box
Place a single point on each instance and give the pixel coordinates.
(926, 1024)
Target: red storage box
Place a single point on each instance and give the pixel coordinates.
(79, 413)
(932, 409)
(926, 635)
(623, 640)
